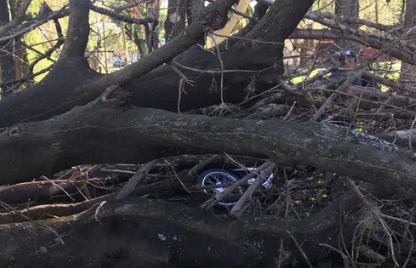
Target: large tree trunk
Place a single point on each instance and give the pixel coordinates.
(72, 82)
(82, 135)
(68, 120)
(408, 71)
(347, 9)
(141, 233)
(176, 18)
(6, 52)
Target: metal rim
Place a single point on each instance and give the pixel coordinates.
(211, 178)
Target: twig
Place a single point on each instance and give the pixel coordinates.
(350, 78)
(201, 165)
(243, 202)
(222, 68)
(175, 63)
(130, 5)
(331, 98)
(24, 79)
(36, 223)
(410, 135)
(355, 189)
(290, 111)
(51, 211)
(218, 197)
(344, 257)
(300, 249)
(140, 175)
(20, 16)
(355, 116)
(58, 186)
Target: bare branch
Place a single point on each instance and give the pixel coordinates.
(130, 5)
(179, 44)
(324, 146)
(78, 29)
(42, 18)
(352, 20)
(120, 17)
(20, 16)
(49, 52)
(400, 54)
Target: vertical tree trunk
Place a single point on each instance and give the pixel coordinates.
(193, 11)
(231, 24)
(6, 53)
(175, 19)
(20, 55)
(131, 32)
(153, 9)
(349, 9)
(407, 70)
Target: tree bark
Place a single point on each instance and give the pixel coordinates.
(347, 9)
(408, 71)
(6, 52)
(175, 19)
(121, 234)
(141, 135)
(401, 54)
(72, 82)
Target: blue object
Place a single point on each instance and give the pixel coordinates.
(358, 81)
(348, 55)
(118, 63)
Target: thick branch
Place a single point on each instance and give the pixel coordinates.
(19, 18)
(365, 40)
(78, 30)
(64, 141)
(120, 17)
(352, 20)
(83, 89)
(134, 3)
(42, 18)
(122, 234)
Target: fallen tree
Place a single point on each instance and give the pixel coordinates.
(152, 83)
(149, 232)
(143, 112)
(139, 135)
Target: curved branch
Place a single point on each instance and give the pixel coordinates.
(156, 133)
(26, 78)
(78, 30)
(157, 87)
(352, 20)
(120, 17)
(20, 16)
(179, 44)
(123, 228)
(400, 54)
(49, 52)
(42, 18)
(130, 5)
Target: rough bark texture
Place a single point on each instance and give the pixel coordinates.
(6, 56)
(401, 54)
(124, 234)
(407, 70)
(176, 18)
(81, 125)
(141, 134)
(347, 9)
(73, 83)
